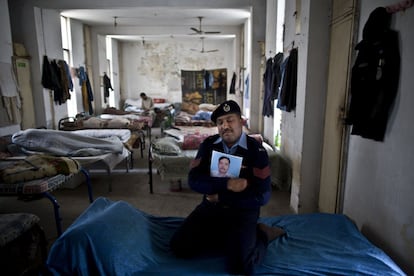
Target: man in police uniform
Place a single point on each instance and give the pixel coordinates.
(225, 221)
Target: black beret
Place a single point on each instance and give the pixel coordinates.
(227, 107)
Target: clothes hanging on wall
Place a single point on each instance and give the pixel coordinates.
(288, 82)
(246, 91)
(221, 89)
(276, 75)
(208, 79)
(375, 77)
(204, 86)
(68, 74)
(232, 89)
(56, 77)
(87, 93)
(58, 96)
(65, 80)
(107, 85)
(271, 79)
(49, 78)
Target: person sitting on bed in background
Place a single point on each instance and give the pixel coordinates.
(147, 103)
(226, 220)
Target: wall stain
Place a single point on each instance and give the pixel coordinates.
(158, 65)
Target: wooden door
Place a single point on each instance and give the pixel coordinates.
(335, 132)
(22, 67)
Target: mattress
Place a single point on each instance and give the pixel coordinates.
(115, 238)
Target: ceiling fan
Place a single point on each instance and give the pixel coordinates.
(199, 31)
(202, 48)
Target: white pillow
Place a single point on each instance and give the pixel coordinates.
(207, 107)
(133, 102)
(166, 146)
(118, 123)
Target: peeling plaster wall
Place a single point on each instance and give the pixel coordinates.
(292, 122)
(302, 129)
(154, 67)
(78, 55)
(5, 54)
(379, 178)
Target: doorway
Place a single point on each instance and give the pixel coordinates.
(334, 153)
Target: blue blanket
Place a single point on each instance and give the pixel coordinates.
(115, 238)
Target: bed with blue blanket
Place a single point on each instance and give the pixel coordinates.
(115, 238)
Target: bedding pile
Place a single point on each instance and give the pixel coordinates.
(37, 167)
(106, 121)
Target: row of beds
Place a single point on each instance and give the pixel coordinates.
(35, 162)
(315, 244)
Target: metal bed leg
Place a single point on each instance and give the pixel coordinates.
(56, 206)
(88, 182)
(110, 180)
(142, 143)
(150, 168)
(128, 161)
(131, 160)
(149, 133)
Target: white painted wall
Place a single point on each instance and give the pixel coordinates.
(6, 53)
(154, 67)
(6, 42)
(49, 42)
(100, 69)
(270, 51)
(379, 179)
(115, 74)
(302, 128)
(78, 54)
(28, 24)
(379, 184)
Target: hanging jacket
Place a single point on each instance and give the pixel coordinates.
(107, 85)
(276, 74)
(87, 93)
(49, 78)
(58, 94)
(288, 85)
(271, 79)
(267, 109)
(375, 77)
(233, 84)
(64, 80)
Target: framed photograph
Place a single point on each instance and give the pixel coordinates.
(225, 165)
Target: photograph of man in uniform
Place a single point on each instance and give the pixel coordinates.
(225, 165)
